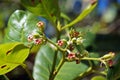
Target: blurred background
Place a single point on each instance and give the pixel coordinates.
(103, 23)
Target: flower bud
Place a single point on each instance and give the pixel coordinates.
(71, 55)
(74, 40)
(60, 43)
(79, 40)
(38, 41)
(73, 34)
(30, 38)
(110, 63)
(108, 56)
(40, 25)
(71, 47)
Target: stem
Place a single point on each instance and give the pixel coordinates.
(60, 65)
(52, 76)
(88, 71)
(90, 63)
(98, 72)
(6, 78)
(27, 71)
(85, 58)
(53, 66)
(93, 59)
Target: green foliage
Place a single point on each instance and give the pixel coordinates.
(11, 56)
(51, 63)
(71, 70)
(20, 25)
(45, 8)
(43, 66)
(43, 63)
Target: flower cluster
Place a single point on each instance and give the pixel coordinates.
(37, 37)
(108, 58)
(76, 37)
(74, 34)
(73, 56)
(75, 40)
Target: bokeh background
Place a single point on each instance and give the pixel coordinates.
(104, 22)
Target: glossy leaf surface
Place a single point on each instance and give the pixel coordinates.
(71, 70)
(43, 63)
(43, 66)
(11, 56)
(20, 25)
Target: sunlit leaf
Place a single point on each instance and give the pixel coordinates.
(11, 56)
(20, 25)
(43, 63)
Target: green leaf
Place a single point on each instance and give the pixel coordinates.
(43, 66)
(70, 70)
(114, 71)
(11, 56)
(82, 15)
(43, 63)
(20, 25)
(98, 78)
(45, 8)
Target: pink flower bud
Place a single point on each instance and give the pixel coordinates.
(71, 55)
(74, 33)
(37, 41)
(110, 63)
(30, 38)
(60, 42)
(40, 25)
